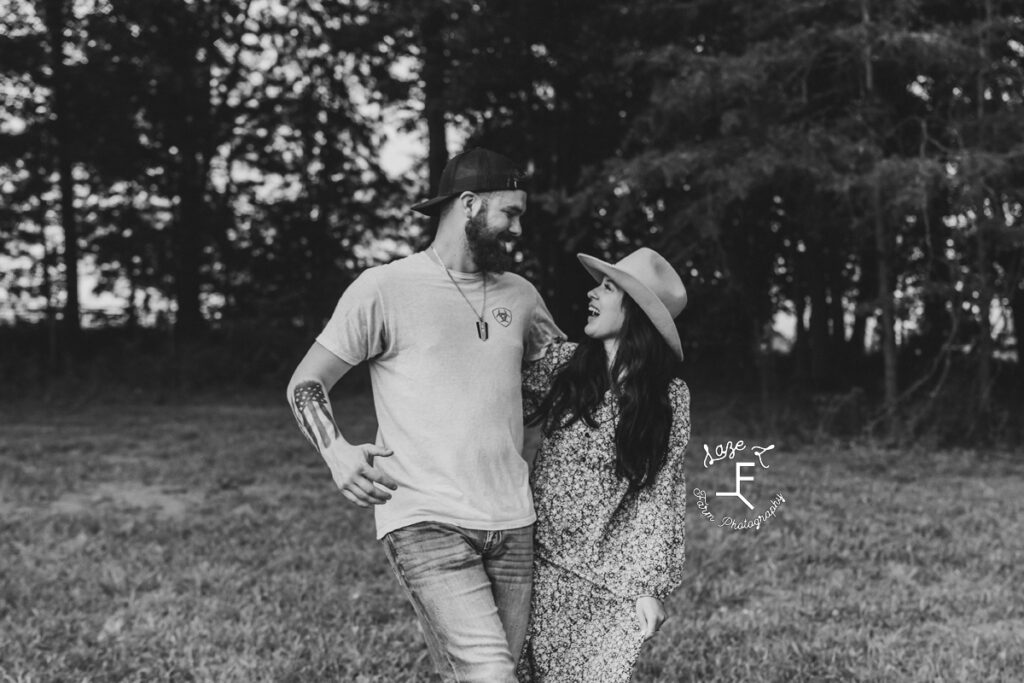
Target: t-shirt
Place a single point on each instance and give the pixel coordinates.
(448, 404)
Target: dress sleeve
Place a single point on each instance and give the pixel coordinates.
(538, 375)
(659, 562)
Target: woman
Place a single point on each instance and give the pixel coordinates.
(608, 477)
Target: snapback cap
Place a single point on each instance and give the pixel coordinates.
(478, 170)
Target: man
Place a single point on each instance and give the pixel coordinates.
(445, 332)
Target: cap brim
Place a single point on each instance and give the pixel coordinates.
(647, 300)
(431, 207)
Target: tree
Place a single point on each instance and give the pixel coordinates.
(56, 25)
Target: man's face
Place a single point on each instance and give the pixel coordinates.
(493, 229)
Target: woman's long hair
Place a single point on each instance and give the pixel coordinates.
(644, 365)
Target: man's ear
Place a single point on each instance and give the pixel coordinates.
(468, 201)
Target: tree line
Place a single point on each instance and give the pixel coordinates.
(855, 167)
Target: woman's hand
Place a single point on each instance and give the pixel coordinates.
(651, 615)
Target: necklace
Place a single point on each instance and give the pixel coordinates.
(481, 324)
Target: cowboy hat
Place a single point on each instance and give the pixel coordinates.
(651, 281)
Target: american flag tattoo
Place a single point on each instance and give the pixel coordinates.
(313, 413)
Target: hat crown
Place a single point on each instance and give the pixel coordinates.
(467, 169)
(476, 170)
(654, 271)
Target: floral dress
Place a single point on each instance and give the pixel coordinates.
(597, 548)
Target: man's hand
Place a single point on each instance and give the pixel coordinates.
(351, 466)
(354, 474)
(650, 614)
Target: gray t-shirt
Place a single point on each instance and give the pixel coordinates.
(448, 404)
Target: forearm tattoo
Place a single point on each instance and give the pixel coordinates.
(313, 413)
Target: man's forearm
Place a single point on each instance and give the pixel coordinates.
(532, 437)
(312, 411)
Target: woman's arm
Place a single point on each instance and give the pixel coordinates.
(539, 373)
(660, 558)
(537, 377)
(662, 508)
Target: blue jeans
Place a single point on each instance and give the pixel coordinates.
(471, 591)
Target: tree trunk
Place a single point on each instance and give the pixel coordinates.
(765, 357)
(801, 349)
(984, 265)
(866, 294)
(936, 323)
(1017, 311)
(431, 30)
(836, 290)
(132, 320)
(883, 249)
(52, 356)
(837, 315)
(193, 124)
(188, 250)
(984, 260)
(55, 16)
(820, 365)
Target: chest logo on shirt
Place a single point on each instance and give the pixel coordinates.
(503, 316)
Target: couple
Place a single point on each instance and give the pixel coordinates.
(567, 582)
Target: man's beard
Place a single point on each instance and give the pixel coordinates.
(488, 251)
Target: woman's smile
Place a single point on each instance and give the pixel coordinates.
(604, 311)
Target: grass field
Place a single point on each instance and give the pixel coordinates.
(205, 542)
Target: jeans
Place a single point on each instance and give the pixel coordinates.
(471, 591)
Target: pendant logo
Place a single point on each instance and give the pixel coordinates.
(503, 316)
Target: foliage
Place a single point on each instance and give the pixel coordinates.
(851, 169)
(222, 155)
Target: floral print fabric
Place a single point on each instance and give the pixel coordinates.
(578, 631)
(597, 548)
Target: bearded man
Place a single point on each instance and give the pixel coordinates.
(446, 332)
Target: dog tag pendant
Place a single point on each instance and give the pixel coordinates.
(481, 329)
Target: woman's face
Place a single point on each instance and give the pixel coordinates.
(605, 315)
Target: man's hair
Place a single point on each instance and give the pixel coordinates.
(486, 197)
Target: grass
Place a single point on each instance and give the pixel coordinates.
(206, 543)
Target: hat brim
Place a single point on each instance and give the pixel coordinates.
(647, 300)
(432, 207)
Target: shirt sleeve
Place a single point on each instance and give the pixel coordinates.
(541, 331)
(538, 375)
(357, 330)
(659, 560)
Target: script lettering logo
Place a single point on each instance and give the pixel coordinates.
(728, 451)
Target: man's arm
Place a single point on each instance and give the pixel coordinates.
(532, 437)
(350, 464)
